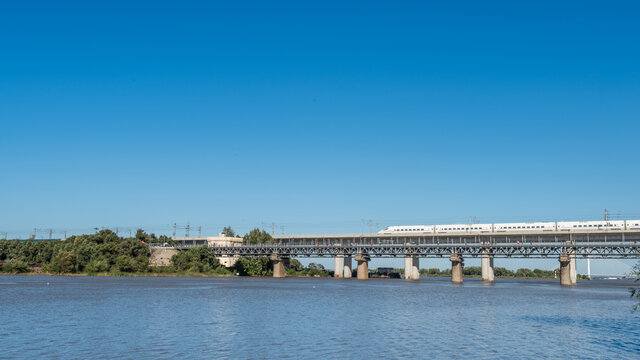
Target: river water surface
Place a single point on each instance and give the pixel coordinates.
(253, 318)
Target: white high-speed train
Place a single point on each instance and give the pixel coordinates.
(581, 226)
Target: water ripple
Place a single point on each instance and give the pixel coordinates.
(185, 318)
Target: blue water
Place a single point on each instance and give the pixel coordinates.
(167, 318)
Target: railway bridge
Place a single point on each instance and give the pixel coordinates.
(563, 245)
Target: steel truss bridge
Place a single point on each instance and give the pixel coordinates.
(602, 244)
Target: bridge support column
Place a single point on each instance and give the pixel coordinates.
(347, 271)
(412, 268)
(572, 267)
(338, 268)
(565, 270)
(278, 266)
(487, 266)
(363, 266)
(456, 268)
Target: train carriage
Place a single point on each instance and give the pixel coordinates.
(569, 226)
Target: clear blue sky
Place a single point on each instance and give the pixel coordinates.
(315, 115)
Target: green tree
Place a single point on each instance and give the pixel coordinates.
(295, 266)
(257, 236)
(524, 273)
(199, 259)
(126, 264)
(253, 266)
(15, 266)
(317, 269)
(472, 270)
(228, 231)
(502, 272)
(63, 262)
(97, 265)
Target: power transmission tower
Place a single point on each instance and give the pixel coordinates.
(129, 232)
(281, 228)
(370, 226)
(65, 234)
(199, 231)
(188, 228)
(362, 232)
(174, 230)
(50, 233)
(5, 235)
(606, 215)
(35, 232)
(117, 230)
(273, 227)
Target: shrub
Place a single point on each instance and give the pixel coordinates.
(125, 264)
(62, 262)
(16, 267)
(95, 266)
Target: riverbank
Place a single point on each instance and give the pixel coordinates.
(227, 275)
(150, 274)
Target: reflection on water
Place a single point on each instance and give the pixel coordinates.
(88, 317)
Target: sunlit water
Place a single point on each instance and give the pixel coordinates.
(164, 318)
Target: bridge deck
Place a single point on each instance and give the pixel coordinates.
(593, 244)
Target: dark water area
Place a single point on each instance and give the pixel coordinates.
(253, 318)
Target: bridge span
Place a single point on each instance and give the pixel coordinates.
(563, 245)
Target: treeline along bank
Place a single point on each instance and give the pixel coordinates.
(107, 253)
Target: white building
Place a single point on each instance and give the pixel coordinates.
(213, 241)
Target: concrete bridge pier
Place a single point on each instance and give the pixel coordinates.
(456, 268)
(347, 272)
(487, 266)
(278, 266)
(363, 266)
(572, 267)
(565, 270)
(412, 268)
(338, 268)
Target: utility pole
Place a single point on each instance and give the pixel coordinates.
(35, 232)
(65, 234)
(606, 215)
(50, 232)
(174, 230)
(188, 228)
(117, 230)
(129, 232)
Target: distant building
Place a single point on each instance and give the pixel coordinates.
(212, 241)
